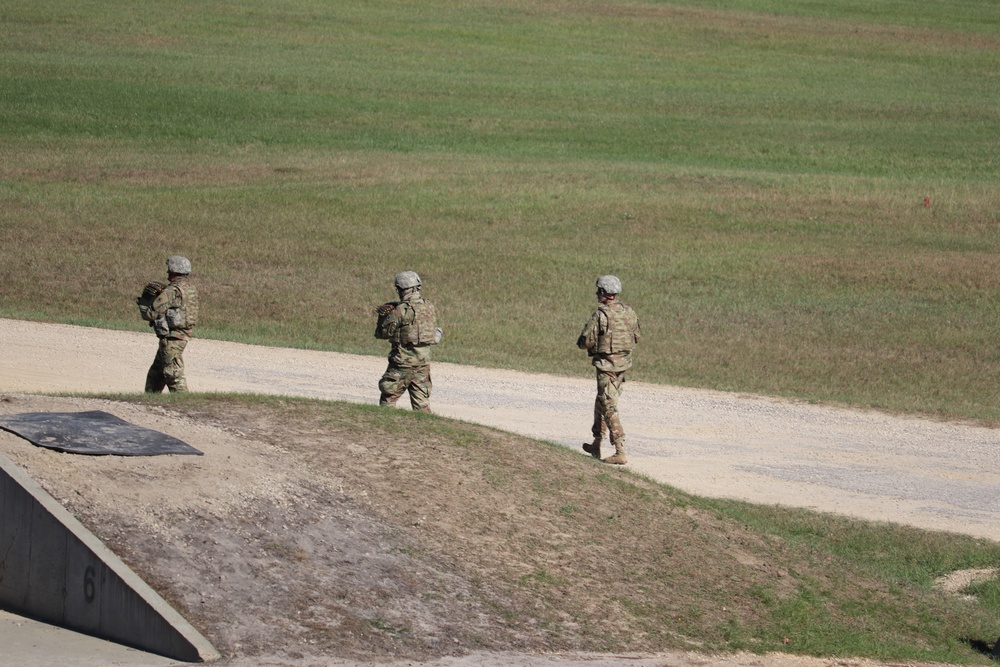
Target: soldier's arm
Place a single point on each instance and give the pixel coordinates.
(588, 337)
(165, 301)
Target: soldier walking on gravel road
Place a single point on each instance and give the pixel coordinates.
(609, 337)
(410, 325)
(172, 311)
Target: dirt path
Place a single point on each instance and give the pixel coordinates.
(919, 472)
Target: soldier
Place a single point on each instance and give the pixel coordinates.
(172, 311)
(609, 337)
(409, 324)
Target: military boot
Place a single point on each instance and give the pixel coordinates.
(594, 448)
(618, 458)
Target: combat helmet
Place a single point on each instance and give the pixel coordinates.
(178, 264)
(609, 285)
(407, 279)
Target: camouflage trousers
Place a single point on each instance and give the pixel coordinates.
(609, 390)
(413, 379)
(168, 367)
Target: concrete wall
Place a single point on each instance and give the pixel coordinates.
(55, 570)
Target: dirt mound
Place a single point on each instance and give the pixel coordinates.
(299, 536)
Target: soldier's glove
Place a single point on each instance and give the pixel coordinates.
(385, 308)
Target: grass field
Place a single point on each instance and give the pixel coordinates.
(800, 197)
(754, 171)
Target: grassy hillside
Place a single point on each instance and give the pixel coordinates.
(800, 198)
(349, 531)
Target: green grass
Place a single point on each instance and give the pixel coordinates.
(754, 171)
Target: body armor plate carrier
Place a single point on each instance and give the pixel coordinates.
(622, 328)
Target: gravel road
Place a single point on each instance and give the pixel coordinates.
(920, 472)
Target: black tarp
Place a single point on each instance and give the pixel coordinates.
(96, 432)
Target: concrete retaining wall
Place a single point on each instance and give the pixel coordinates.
(55, 570)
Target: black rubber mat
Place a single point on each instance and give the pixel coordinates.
(96, 433)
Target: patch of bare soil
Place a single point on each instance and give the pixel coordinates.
(302, 537)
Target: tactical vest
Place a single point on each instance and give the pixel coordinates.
(622, 326)
(184, 315)
(421, 330)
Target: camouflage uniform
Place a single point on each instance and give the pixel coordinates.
(410, 325)
(609, 337)
(177, 306)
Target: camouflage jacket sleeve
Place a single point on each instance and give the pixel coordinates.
(591, 330)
